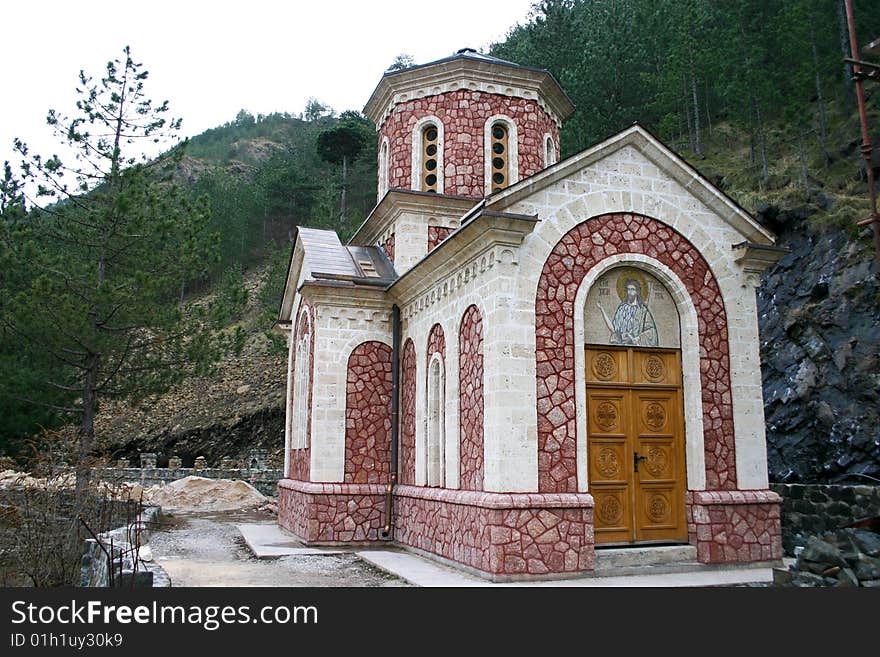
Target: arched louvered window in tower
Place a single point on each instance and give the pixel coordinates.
(500, 151)
(430, 159)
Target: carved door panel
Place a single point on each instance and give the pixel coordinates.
(658, 464)
(635, 444)
(610, 459)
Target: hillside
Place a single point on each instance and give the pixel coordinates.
(237, 408)
(783, 141)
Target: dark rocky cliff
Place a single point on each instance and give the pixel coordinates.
(819, 317)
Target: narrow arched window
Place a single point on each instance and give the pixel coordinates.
(549, 151)
(436, 423)
(500, 150)
(299, 437)
(383, 169)
(430, 158)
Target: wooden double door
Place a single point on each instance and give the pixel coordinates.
(635, 444)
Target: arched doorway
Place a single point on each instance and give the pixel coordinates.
(635, 420)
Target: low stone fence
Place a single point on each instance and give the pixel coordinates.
(812, 509)
(265, 481)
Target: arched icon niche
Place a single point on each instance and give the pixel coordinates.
(629, 307)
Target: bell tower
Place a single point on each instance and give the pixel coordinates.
(467, 125)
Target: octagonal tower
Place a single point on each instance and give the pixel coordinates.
(467, 125)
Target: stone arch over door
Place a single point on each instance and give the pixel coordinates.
(570, 261)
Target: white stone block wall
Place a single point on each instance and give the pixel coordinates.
(411, 237)
(340, 326)
(510, 465)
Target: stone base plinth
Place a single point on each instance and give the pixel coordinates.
(330, 514)
(507, 535)
(735, 526)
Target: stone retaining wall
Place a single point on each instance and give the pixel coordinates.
(95, 569)
(811, 509)
(265, 481)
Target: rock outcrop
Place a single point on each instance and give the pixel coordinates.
(819, 318)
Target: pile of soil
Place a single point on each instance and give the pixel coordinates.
(201, 494)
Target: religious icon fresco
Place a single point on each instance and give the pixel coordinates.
(628, 306)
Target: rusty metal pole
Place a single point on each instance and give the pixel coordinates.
(873, 219)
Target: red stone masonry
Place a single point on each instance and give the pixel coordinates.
(436, 343)
(331, 513)
(506, 535)
(464, 114)
(573, 256)
(408, 414)
(437, 234)
(388, 247)
(300, 459)
(735, 526)
(368, 414)
(470, 407)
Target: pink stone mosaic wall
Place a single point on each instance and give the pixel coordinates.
(331, 513)
(499, 534)
(300, 458)
(368, 414)
(436, 342)
(388, 247)
(470, 406)
(464, 114)
(735, 526)
(573, 256)
(407, 474)
(437, 234)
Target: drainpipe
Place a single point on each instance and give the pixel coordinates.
(387, 530)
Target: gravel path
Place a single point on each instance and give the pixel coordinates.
(207, 550)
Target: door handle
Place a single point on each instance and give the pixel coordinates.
(636, 458)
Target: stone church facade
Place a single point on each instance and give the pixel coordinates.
(515, 360)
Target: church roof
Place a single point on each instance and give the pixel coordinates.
(468, 69)
(470, 53)
(326, 258)
(319, 257)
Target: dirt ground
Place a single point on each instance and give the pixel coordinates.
(206, 549)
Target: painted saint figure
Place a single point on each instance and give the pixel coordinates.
(632, 324)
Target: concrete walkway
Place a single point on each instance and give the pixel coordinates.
(268, 540)
(419, 571)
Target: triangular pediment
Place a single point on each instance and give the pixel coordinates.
(653, 151)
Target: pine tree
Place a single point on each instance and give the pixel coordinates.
(106, 245)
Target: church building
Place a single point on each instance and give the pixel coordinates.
(518, 360)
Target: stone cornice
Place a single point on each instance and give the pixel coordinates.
(735, 497)
(470, 74)
(755, 258)
(398, 201)
(344, 295)
(468, 252)
(492, 500)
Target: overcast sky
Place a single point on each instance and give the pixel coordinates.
(210, 59)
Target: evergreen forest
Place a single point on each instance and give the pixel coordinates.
(755, 94)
